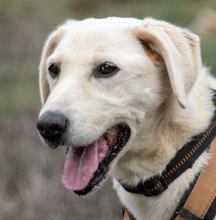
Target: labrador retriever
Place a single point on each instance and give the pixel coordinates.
(124, 95)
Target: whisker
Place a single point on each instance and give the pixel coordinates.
(36, 105)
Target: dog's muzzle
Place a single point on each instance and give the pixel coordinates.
(85, 166)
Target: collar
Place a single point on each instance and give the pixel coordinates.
(183, 160)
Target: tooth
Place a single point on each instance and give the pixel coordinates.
(111, 136)
(112, 131)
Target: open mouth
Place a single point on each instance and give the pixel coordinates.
(85, 167)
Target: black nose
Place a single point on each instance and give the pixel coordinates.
(52, 125)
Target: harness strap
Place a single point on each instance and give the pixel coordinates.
(204, 191)
(202, 197)
(126, 215)
(183, 160)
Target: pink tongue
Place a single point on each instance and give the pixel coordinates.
(81, 163)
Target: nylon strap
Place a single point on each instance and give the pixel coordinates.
(126, 215)
(204, 191)
(183, 160)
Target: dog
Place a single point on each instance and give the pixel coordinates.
(124, 96)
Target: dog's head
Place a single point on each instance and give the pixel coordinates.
(99, 78)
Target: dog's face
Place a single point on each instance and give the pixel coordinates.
(98, 80)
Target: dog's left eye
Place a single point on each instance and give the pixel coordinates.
(54, 69)
(106, 70)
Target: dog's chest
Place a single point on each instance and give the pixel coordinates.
(143, 207)
(164, 205)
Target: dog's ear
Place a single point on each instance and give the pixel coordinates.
(49, 47)
(178, 48)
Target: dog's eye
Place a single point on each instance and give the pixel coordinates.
(107, 69)
(54, 69)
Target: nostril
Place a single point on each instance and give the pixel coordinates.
(52, 125)
(40, 127)
(58, 127)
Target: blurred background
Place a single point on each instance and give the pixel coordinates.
(30, 173)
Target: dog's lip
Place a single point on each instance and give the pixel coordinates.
(116, 138)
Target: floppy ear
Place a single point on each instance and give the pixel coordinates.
(49, 47)
(180, 51)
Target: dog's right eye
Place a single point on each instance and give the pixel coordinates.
(106, 70)
(54, 69)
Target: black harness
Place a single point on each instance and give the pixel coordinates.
(183, 160)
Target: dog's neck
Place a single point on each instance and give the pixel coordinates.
(163, 133)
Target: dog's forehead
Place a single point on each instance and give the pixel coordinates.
(96, 34)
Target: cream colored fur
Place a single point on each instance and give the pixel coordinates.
(161, 91)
